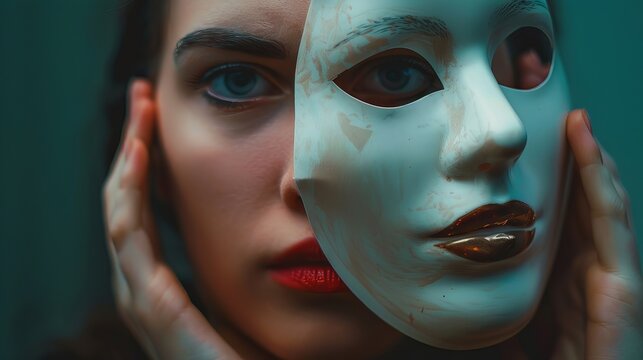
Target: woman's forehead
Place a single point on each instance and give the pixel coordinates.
(282, 20)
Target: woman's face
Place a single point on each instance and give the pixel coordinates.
(429, 152)
(226, 124)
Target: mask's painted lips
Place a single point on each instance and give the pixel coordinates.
(493, 245)
(490, 248)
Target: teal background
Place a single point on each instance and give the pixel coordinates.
(53, 56)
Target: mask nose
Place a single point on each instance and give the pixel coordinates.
(486, 135)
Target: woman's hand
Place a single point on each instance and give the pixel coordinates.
(595, 293)
(149, 296)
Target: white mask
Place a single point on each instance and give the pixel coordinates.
(389, 154)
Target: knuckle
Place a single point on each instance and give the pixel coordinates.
(614, 205)
(139, 304)
(625, 196)
(120, 225)
(628, 301)
(607, 201)
(162, 297)
(161, 293)
(144, 300)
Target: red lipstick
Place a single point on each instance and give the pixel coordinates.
(304, 267)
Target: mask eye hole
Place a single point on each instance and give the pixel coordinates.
(523, 60)
(392, 78)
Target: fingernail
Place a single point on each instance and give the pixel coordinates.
(588, 123)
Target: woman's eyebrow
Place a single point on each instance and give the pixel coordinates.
(513, 8)
(230, 39)
(393, 25)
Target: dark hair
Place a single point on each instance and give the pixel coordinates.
(136, 55)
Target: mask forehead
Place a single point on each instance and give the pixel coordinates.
(343, 20)
(340, 34)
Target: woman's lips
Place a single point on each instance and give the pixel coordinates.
(304, 267)
(491, 232)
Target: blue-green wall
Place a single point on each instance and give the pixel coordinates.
(53, 54)
(602, 46)
(53, 266)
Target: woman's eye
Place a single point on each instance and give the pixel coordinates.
(523, 60)
(232, 85)
(393, 78)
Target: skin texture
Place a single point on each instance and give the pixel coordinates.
(231, 184)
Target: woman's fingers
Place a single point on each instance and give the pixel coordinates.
(132, 241)
(124, 301)
(126, 194)
(125, 200)
(137, 125)
(138, 117)
(126, 191)
(150, 297)
(613, 283)
(613, 239)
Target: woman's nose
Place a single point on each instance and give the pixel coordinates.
(486, 135)
(288, 190)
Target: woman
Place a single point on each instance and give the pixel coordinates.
(222, 157)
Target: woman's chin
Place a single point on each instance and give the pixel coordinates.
(319, 347)
(330, 337)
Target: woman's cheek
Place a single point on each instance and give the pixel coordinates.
(212, 177)
(223, 177)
